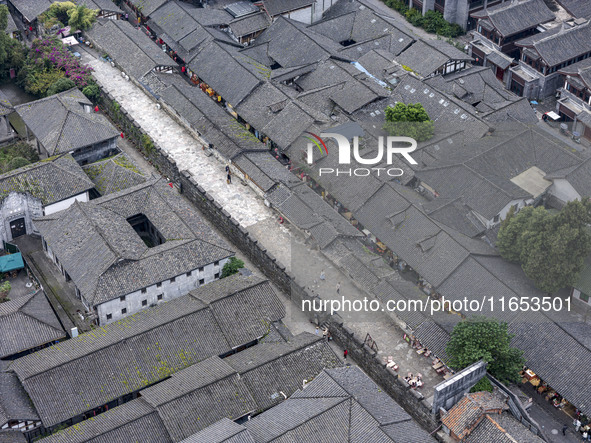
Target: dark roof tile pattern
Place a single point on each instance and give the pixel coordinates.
(119, 37)
(139, 350)
(14, 403)
(198, 396)
(27, 322)
(51, 180)
(132, 421)
(114, 174)
(65, 122)
(514, 17)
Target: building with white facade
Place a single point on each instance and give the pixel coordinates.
(133, 249)
(39, 189)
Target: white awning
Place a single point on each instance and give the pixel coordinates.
(69, 41)
(553, 115)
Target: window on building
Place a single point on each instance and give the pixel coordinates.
(124, 311)
(496, 218)
(200, 269)
(122, 298)
(173, 279)
(159, 285)
(189, 273)
(216, 275)
(144, 302)
(584, 297)
(109, 316)
(144, 290)
(201, 281)
(216, 263)
(159, 297)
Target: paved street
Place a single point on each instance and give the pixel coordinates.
(548, 417)
(248, 208)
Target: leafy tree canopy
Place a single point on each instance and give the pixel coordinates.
(12, 52)
(408, 120)
(231, 267)
(551, 249)
(487, 339)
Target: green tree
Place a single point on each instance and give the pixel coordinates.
(231, 267)
(92, 91)
(38, 82)
(15, 163)
(12, 52)
(481, 338)
(408, 120)
(483, 384)
(550, 248)
(81, 18)
(63, 84)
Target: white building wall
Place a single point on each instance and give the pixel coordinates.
(563, 190)
(17, 205)
(134, 302)
(301, 15)
(65, 204)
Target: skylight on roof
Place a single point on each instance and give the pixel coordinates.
(407, 87)
(441, 101)
(401, 39)
(426, 91)
(431, 95)
(464, 116)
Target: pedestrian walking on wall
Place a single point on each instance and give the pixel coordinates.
(345, 353)
(338, 287)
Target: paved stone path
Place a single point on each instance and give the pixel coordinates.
(248, 208)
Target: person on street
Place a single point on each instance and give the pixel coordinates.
(564, 428)
(345, 353)
(322, 275)
(338, 287)
(229, 178)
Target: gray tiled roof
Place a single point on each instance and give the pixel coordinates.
(237, 83)
(139, 350)
(14, 403)
(101, 226)
(276, 7)
(426, 57)
(198, 396)
(101, 5)
(340, 404)
(61, 124)
(276, 42)
(250, 24)
(270, 369)
(560, 44)
(10, 436)
(231, 299)
(27, 322)
(51, 180)
(146, 7)
(114, 174)
(513, 17)
(133, 421)
(223, 431)
(576, 8)
(367, 29)
(31, 9)
(119, 37)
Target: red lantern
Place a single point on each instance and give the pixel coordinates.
(122, 135)
(96, 109)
